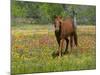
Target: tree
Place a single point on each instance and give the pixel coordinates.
(43, 13)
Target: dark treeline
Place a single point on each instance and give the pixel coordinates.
(43, 13)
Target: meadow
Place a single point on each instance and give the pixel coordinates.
(32, 47)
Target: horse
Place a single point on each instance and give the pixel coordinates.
(64, 29)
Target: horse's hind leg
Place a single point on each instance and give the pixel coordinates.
(71, 42)
(67, 42)
(75, 38)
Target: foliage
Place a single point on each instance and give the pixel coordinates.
(43, 13)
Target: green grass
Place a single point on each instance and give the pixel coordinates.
(32, 48)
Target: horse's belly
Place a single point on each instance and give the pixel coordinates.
(65, 33)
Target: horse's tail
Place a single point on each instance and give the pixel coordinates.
(75, 38)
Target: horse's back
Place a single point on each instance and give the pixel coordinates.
(67, 26)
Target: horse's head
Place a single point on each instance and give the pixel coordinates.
(57, 22)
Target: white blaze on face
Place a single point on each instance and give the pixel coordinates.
(57, 24)
(57, 28)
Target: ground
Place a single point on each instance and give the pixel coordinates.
(33, 45)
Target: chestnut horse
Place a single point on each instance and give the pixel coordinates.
(63, 31)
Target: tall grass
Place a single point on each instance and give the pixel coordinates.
(32, 48)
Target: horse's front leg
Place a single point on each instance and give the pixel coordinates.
(67, 42)
(61, 47)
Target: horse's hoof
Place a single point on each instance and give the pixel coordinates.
(54, 54)
(66, 52)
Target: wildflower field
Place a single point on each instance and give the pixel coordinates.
(32, 47)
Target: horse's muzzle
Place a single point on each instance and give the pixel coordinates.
(57, 29)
